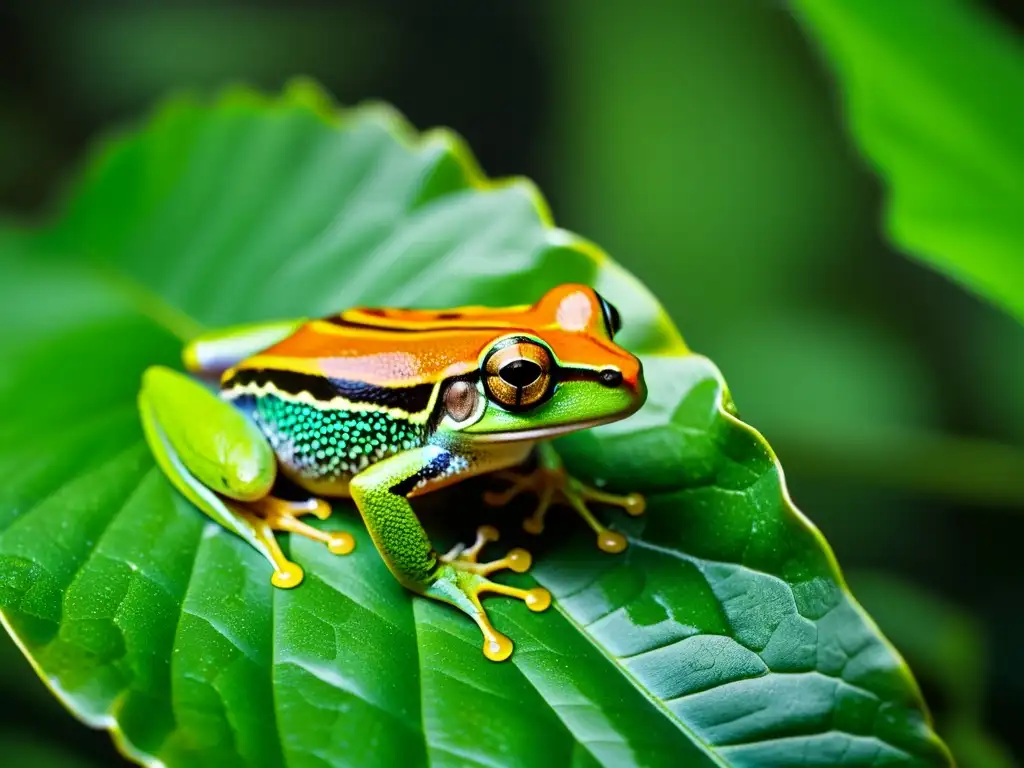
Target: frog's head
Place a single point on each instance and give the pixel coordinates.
(556, 369)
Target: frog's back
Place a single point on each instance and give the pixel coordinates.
(348, 390)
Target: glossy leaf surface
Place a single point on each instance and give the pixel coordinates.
(723, 635)
(934, 93)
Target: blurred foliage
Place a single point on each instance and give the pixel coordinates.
(666, 132)
(687, 190)
(36, 730)
(945, 131)
(171, 46)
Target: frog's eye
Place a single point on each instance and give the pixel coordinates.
(612, 319)
(517, 373)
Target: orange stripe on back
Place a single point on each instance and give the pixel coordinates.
(385, 346)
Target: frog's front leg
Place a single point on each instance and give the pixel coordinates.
(550, 481)
(220, 461)
(380, 492)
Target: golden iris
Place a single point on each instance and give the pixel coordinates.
(518, 374)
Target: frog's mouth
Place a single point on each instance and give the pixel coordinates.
(540, 433)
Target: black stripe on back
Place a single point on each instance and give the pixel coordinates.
(410, 399)
(342, 323)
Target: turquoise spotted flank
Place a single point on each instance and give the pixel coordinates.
(326, 444)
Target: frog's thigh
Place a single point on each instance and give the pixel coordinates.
(210, 438)
(215, 351)
(203, 445)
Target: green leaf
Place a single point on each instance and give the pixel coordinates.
(934, 94)
(723, 635)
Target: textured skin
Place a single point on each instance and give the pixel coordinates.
(329, 445)
(390, 519)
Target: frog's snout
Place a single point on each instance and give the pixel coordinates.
(630, 377)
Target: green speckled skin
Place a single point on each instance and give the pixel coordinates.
(328, 445)
(320, 448)
(391, 521)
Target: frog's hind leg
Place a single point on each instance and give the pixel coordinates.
(213, 352)
(287, 574)
(552, 483)
(221, 462)
(517, 560)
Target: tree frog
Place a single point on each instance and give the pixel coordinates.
(380, 405)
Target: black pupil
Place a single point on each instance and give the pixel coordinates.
(520, 373)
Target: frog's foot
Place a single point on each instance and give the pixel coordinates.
(318, 508)
(283, 515)
(460, 580)
(287, 574)
(554, 484)
(517, 560)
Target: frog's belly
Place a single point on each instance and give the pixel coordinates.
(324, 488)
(322, 449)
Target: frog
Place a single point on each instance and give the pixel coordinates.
(381, 405)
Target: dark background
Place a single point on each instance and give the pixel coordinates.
(702, 144)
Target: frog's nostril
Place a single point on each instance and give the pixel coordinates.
(610, 377)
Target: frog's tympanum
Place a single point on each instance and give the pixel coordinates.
(382, 405)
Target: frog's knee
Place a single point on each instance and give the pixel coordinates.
(211, 439)
(245, 476)
(158, 379)
(359, 488)
(213, 352)
(234, 464)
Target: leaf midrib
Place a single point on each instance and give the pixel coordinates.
(149, 304)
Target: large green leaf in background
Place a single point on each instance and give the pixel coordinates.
(723, 635)
(935, 98)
